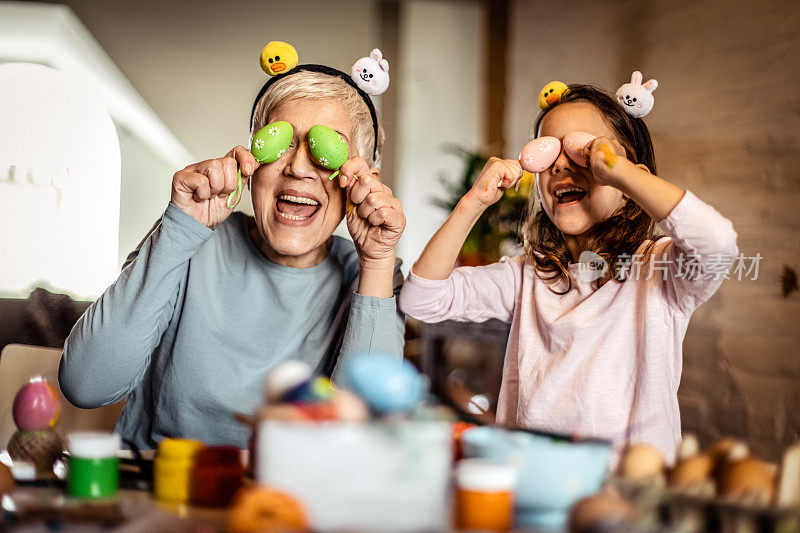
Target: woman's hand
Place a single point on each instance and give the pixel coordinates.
(374, 216)
(497, 176)
(202, 189)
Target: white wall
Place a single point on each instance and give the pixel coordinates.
(440, 102)
(196, 65)
(59, 183)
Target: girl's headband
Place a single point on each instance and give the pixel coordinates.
(635, 98)
(360, 72)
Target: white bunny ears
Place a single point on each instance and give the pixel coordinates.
(371, 73)
(637, 99)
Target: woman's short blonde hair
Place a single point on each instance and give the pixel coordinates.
(306, 85)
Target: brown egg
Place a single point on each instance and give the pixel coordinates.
(727, 449)
(641, 462)
(601, 510)
(748, 478)
(724, 452)
(691, 471)
(689, 446)
(7, 483)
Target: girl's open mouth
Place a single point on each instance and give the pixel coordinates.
(296, 208)
(568, 195)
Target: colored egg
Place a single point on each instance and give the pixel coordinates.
(309, 391)
(272, 141)
(539, 154)
(41, 448)
(574, 142)
(386, 382)
(328, 148)
(349, 407)
(285, 377)
(36, 406)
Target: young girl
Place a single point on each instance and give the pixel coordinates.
(598, 355)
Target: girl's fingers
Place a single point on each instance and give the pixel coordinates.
(595, 144)
(500, 174)
(513, 175)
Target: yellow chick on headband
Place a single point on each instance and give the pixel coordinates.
(551, 94)
(278, 57)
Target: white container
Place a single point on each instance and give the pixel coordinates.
(376, 477)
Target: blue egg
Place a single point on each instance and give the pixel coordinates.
(387, 383)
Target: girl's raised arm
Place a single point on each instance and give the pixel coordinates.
(703, 246)
(434, 292)
(439, 256)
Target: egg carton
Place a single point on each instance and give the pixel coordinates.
(698, 509)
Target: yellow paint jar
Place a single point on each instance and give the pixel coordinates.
(173, 469)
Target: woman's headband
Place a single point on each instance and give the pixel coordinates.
(369, 75)
(322, 69)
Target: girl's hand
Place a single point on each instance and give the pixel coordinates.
(497, 176)
(607, 161)
(375, 217)
(201, 190)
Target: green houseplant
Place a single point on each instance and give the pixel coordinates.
(499, 224)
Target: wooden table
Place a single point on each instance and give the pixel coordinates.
(132, 511)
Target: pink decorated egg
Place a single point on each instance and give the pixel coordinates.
(36, 406)
(574, 142)
(539, 154)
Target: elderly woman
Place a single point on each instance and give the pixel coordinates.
(212, 300)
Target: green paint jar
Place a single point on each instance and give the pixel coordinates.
(93, 466)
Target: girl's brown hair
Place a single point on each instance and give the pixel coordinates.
(619, 235)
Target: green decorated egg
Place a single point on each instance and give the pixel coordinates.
(272, 141)
(328, 148)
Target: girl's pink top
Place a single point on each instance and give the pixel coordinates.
(594, 362)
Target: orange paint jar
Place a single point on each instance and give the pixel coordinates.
(484, 495)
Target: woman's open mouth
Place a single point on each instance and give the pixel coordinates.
(569, 195)
(296, 208)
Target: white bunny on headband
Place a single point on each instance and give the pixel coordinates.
(637, 99)
(371, 74)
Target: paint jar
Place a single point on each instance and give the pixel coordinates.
(484, 495)
(172, 469)
(218, 474)
(92, 465)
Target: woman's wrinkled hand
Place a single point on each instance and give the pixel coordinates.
(202, 189)
(374, 216)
